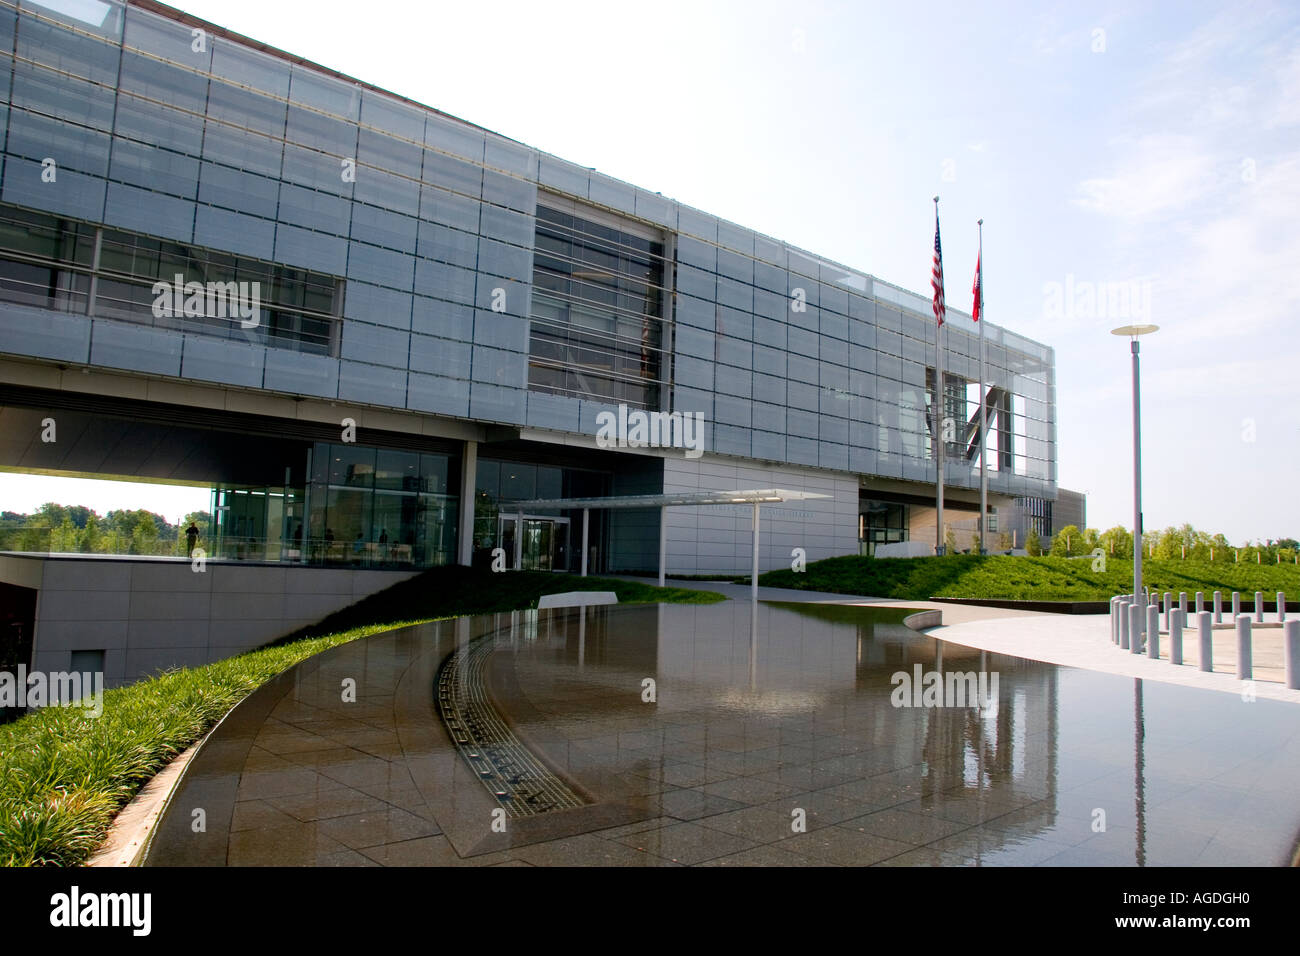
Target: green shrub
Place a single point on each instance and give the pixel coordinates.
(1000, 577)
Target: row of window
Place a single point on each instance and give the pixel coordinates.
(598, 325)
(56, 263)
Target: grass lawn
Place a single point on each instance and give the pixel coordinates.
(63, 775)
(1000, 577)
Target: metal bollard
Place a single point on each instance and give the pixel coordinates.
(1218, 607)
(1169, 604)
(1112, 620)
(1124, 605)
(1243, 647)
(1291, 647)
(1200, 602)
(1153, 632)
(1259, 607)
(1281, 607)
(1135, 614)
(1182, 605)
(1236, 605)
(1176, 640)
(1207, 641)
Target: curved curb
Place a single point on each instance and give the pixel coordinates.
(922, 620)
(132, 828)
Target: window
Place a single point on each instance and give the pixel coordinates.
(598, 307)
(880, 522)
(382, 507)
(49, 262)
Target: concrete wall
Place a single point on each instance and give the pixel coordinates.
(149, 615)
(718, 538)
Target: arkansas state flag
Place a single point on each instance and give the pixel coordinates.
(979, 295)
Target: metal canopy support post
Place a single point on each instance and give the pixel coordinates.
(585, 513)
(519, 541)
(304, 556)
(753, 585)
(465, 529)
(663, 542)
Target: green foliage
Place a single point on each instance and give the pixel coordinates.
(65, 775)
(1001, 577)
(1117, 542)
(1034, 544)
(1067, 541)
(63, 539)
(91, 541)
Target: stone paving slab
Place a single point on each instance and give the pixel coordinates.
(1084, 641)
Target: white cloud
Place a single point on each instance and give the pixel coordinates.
(1156, 174)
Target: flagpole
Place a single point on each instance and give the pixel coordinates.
(940, 408)
(984, 413)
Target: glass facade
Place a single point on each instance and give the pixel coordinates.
(381, 507)
(419, 263)
(880, 522)
(364, 506)
(597, 327)
(548, 540)
(57, 263)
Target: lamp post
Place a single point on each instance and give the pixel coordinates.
(1133, 331)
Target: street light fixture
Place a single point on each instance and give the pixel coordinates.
(1133, 331)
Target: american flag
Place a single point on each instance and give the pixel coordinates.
(936, 275)
(979, 298)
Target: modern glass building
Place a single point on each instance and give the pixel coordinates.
(370, 327)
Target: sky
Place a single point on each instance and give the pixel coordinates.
(1133, 163)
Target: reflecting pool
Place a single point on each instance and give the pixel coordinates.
(732, 734)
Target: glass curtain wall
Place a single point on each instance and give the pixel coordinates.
(880, 522)
(549, 540)
(597, 327)
(375, 507)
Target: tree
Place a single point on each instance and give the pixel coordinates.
(1117, 542)
(91, 541)
(1221, 551)
(1033, 544)
(949, 541)
(63, 539)
(1168, 544)
(144, 535)
(1150, 542)
(1068, 541)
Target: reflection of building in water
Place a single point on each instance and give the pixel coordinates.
(821, 669)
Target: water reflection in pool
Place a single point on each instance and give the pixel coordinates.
(758, 712)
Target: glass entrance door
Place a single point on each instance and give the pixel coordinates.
(538, 538)
(533, 542)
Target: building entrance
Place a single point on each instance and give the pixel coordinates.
(534, 542)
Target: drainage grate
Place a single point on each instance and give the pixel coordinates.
(515, 778)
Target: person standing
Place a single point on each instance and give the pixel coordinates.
(191, 538)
